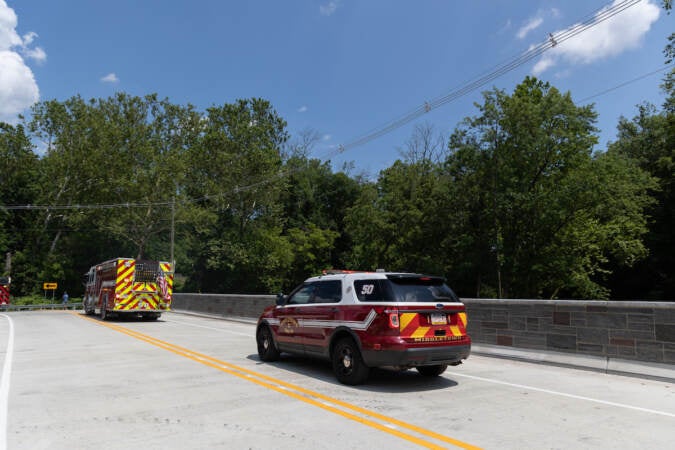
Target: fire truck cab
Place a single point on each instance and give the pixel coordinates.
(126, 286)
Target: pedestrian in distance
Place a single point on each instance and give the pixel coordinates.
(65, 297)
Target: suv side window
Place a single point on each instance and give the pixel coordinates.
(372, 290)
(302, 295)
(328, 292)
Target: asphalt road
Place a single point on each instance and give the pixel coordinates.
(186, 382)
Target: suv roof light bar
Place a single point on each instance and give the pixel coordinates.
(340, 271)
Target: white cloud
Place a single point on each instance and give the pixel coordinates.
(36, 54)
(531, 25)
(302, 109)
(326, 10)
(611, 37)
(110, 78)
(18, 89)
(8, 36)
(29, 37)
(544, 63)
(326, 137)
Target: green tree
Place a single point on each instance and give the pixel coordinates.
(315, 201)
(18, 186)
(394, 223)
(545, 207)
(106, 153)
(649, 141)
(235, 172)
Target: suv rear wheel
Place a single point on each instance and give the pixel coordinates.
(348, 364)
(432, 371)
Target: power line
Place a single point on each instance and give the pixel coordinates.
(78, 207)
(626, 83)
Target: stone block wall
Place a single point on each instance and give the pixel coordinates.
(642, 331)
(225, 305)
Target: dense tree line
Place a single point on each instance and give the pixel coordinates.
(515, 204)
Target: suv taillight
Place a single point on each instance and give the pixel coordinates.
(393, 319)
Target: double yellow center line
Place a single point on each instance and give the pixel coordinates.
(372, 419)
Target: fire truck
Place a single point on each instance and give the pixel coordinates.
(130, 287)
(4, 290)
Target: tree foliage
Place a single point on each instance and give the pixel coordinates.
(545, 205)
(648, 140)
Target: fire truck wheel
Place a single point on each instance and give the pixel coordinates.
(348, 364)
(432, 371)
(267, 350)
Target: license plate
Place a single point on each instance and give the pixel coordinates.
(438, 319)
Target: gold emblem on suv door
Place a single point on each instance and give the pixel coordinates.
(288, 325)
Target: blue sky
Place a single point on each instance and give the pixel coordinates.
(342, 68)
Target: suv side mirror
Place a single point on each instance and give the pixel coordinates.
(280, 299)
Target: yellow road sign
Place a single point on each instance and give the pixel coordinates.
(49, 286)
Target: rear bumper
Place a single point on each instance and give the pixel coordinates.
(412, 357)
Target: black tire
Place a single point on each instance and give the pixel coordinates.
(267, 349)
(87, 309)
(348, 363)
(432, 371)
(104, 305)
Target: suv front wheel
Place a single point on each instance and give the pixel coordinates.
(348, 364)
(267, 350)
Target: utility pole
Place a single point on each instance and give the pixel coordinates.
(173, 222)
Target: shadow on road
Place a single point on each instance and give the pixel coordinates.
(380, 380)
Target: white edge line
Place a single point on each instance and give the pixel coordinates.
(4, 384)
(563, 394)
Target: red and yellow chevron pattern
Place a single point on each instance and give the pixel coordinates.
(141, 296)
(418, 328)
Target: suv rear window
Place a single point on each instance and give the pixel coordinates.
(421, 289)
(404, 288)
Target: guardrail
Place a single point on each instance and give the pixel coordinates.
(42, 306)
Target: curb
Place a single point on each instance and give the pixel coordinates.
(607, 365)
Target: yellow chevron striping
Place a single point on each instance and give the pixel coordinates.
(462, 317)
(420, 332)
(405, 319)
